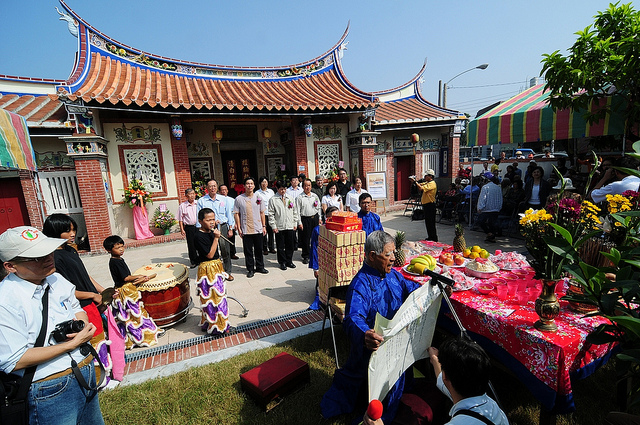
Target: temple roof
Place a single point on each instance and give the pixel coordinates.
(38, 110)
(110, 74)
(405, 105)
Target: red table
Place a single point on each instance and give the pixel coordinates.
(544, 361)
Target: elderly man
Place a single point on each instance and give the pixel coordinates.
(429, 190)
(489, 206)
(284, 219)
(624, 181)
(370, 220)
(223, 208)
(377, 288)
(55, 395)
(224, 191)
(187, 219)
(318, 187)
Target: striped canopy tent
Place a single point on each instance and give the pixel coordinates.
(15, 144)
(528, 117)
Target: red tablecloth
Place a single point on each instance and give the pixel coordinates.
(549, 356)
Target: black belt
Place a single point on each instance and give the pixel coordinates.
(310, 216)
(189, 225)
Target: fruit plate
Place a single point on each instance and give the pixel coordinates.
(478, 273)
(454, 266)
(404, 269)
(408, 272)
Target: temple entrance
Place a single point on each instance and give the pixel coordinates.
(404, 168)
(236, 166)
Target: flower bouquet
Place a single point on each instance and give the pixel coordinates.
(164, 219)
(136, 195)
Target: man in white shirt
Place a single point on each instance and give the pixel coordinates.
(55, 395)
(294, 190)
(353, 197)
(489, 206)
(625, 181)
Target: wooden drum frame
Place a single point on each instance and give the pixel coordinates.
(167, 296)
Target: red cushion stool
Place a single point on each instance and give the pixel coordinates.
(269, 382)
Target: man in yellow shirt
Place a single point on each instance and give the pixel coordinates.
(429, 189)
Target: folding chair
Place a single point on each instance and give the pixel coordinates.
(338, 292)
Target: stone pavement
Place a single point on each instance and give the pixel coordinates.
(277, 302)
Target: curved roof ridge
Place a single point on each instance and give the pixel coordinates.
(336, 60)
(201, 64)
(405, 85)
(426, 102)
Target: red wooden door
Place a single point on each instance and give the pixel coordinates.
(404, 168)
(13, 209)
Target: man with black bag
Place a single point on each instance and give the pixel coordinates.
(45, 374)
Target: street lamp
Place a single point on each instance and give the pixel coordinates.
(444, 89)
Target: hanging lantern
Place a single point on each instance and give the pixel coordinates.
(266, 134)
(415, 138)
(217, 135)
(308, 129)
(176, 128)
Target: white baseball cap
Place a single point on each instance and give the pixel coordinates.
(27, 242)
(430, 172)
(568, 185)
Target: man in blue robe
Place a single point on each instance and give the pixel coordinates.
(370, 221)
(377, 288)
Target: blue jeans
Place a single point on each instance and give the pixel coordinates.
(62, 401)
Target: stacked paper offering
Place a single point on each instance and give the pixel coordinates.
(340, 256)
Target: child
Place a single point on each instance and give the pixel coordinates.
(134, 322)
(313, 262)
(120, 272)
(211, 276)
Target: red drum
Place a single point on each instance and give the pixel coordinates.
(166, 297)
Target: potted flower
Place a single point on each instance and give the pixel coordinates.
(164, 219)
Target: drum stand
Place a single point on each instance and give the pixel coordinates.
(438, 279)
(245, 312)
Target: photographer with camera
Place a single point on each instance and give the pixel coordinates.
(47, 355)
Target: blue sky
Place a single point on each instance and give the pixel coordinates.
(388, 40)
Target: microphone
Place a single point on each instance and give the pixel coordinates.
(374, 411)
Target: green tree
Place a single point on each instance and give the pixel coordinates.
(604, 60)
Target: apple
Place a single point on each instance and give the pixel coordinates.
(459, 260)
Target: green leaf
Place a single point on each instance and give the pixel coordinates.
(628, 323)
(563, 232)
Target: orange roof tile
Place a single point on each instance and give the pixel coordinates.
(114, 75)
(38, 110)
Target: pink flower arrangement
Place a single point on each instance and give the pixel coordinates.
(290, 204)
(315, 204)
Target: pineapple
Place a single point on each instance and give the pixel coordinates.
(459, 244)
(399, 253)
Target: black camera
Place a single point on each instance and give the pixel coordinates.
(59, 333)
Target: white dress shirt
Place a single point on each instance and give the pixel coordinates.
(21, 318)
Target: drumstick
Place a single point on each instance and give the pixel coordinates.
(227, 240)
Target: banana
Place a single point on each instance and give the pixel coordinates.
(420, 260)
(419, 268)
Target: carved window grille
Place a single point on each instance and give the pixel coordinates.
(328, 157)
(144, 163)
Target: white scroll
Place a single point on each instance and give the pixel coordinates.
(406, 339)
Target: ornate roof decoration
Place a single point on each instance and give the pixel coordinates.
(405, 105)
(110, 74)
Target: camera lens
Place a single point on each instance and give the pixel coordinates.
(77, 326)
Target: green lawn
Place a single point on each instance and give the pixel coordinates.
(211, 394)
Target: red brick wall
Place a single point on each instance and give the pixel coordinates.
(30, 197)
(94, 201)
(367, 164)
(391, 178)
(181, 165)
(300, 151)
